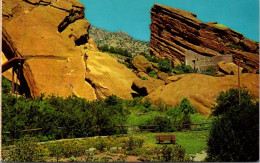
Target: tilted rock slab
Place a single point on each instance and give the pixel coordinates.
(201, 90)
(50, 34)
(107, 76)
(173, 31)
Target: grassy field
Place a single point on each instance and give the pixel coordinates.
(193, 142)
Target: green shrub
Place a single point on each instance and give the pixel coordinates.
(235, 132)
(115, 50)
(163, 123)
(149, 58)
(152, 74)
(143, 78)
(173, 154)
(77, 117)
(165, 65)
(147, 103)
(100, 145)
(186, 107)
(139, 152)
(183, 69)
(235, 46)
(71, 149)
(55, 150)
(132, 144)
(209, 71)
(27, 150)
(6, 85)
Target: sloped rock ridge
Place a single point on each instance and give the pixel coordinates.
(61, 59)
(173, 31)
(202, 90)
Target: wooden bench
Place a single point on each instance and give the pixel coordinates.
(162, 138)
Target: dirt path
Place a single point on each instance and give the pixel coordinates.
(200, 156)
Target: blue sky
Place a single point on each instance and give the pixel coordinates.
(133, 16)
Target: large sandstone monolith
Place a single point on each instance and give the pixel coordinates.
(174, 31)
(61, 59)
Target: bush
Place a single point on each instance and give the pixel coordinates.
(115, 50)
(163, 123)
(55, 150)
(183, 69)
(62, 118)
(143, 78)
(209, 71)
(152, 74)
(27, 150)
(186, 107)
(173, 154)
(6, 85)
(139, 152)
(235, 132)
(181, 114)
(165, 65)
(149, 58)
(100, 145)
(132, 144)
(147, 103)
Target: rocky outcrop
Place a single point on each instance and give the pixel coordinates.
(173, 31)
(60, 58)
(201, 90)
(145, 87)
(107, 76)
(228, 68)
(141, 64)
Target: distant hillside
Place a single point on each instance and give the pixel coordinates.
(118, 39)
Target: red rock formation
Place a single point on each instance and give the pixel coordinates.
(60, 58)
(173, 31)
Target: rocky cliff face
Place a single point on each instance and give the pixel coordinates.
(53, 37)
(173, 31)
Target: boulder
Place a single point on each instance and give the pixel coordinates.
(142, 64)
(142, 74)
(174, 78)
(227, 68)
(145, 87)
(202, 90)
(162, 76)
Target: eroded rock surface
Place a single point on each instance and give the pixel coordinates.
(61, 58)
(142, 64)
(107, 76)
(228, 68)
(145, 87)
(173, 31)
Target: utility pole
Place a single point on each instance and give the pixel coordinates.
(239, 90)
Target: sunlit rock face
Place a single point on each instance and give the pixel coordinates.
(53, 37)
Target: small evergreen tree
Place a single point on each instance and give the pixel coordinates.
(235, 132)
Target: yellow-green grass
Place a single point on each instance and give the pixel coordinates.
(193, 142)
(221, 26)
